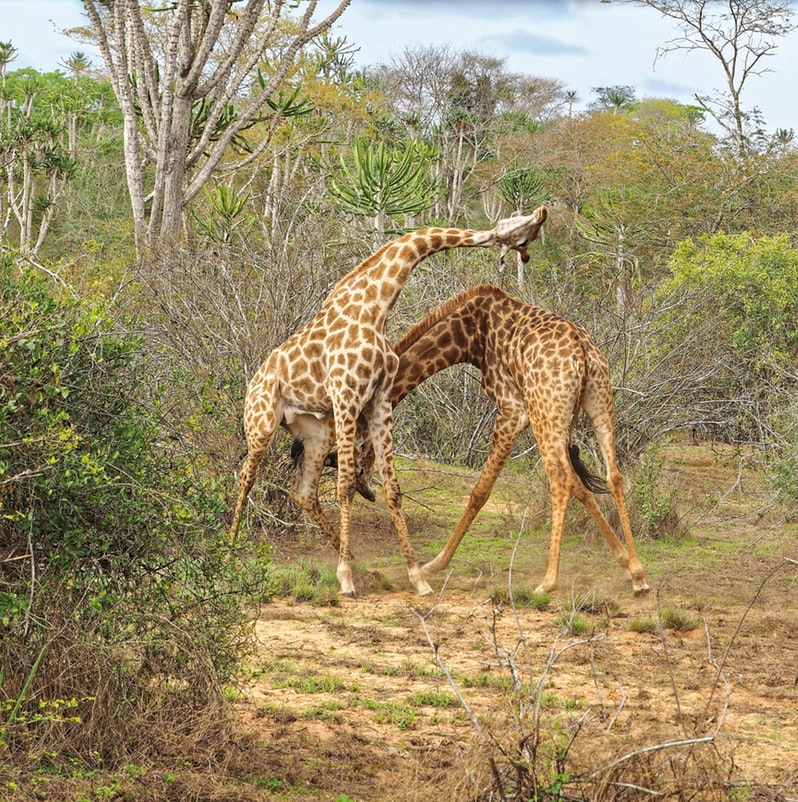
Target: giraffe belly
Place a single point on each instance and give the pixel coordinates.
(293, 414)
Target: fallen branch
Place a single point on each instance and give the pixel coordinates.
(439, 662)
(648, 750)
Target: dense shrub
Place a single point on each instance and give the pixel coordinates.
(120, 608)
(733, 321)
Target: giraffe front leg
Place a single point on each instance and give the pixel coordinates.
(246, 479)
(505, 432)
(344, 570)
(345, 435)
(382, 439)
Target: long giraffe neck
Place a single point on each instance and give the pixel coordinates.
(381, 277)
(453, 333)
(383, 274)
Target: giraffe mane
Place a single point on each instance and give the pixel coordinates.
(417, 331)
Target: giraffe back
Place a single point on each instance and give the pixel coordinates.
(522, 350)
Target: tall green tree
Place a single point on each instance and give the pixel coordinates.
(7, 54)
(613, 98)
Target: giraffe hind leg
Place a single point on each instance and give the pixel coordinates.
(560, 489)
(260, 431)
(635, 567)
(246, 479)
(597, 404)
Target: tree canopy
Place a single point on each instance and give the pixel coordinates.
(191, 79)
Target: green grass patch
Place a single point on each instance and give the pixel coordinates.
(679, 620)
(574, 623)
(442, 699)
(522, 598)
(408, 668)
(304, 581)
(486, 680)
(313, 684)
(329, 711)
(648, 625)
(400, 715)
(279, 713)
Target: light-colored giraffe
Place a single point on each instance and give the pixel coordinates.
(539, 369)
(340, 366)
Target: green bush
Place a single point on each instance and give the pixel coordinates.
(118, 598)
(749, 287)
(728, 339)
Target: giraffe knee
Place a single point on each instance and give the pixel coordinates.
(300, 499)
(617, 483)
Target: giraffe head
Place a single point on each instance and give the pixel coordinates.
(517, 231)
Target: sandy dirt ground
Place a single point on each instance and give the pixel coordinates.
(690, 692)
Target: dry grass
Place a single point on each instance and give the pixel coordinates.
(342, 701)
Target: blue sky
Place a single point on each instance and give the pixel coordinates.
(583, 43)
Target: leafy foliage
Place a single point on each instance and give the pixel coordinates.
(384, 183)
(75, 459)
(111, 564)
(750, 286)
(723, 357)
(227, 215)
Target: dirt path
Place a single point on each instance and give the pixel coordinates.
(352, 701)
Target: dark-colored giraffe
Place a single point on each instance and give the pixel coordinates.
(340, 367)
(539, 369)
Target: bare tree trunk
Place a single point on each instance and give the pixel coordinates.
(739, 34)
(207, 55)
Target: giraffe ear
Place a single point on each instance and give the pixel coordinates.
(536, 219)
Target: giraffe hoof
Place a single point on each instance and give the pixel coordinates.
(641, 590)
(350, 594)
(416, 576)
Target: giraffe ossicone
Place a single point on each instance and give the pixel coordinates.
(338, 368)
(540, 370)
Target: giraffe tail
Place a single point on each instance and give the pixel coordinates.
(297, 453)
(593, 482)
